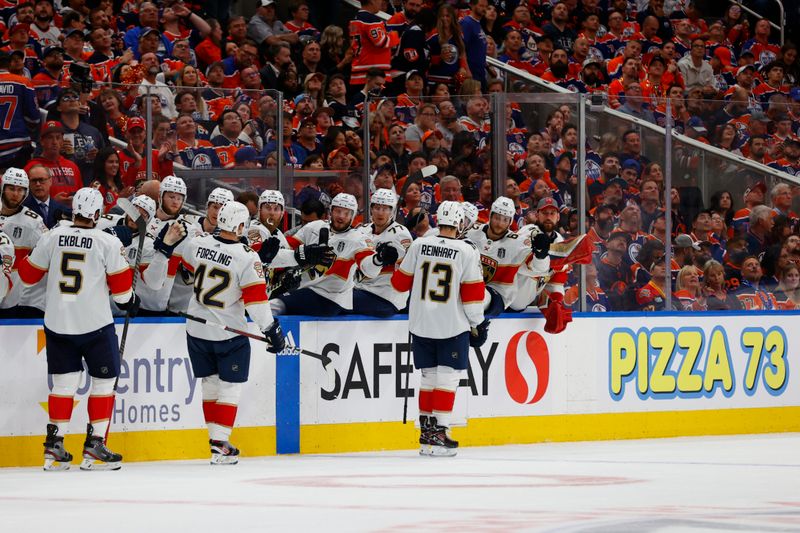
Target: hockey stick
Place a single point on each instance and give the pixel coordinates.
(405, 392)
(141, 227)
(324, 359)
(424, 172)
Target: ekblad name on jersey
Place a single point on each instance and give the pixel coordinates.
(83, 266)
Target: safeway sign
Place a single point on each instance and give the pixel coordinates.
(508, 376)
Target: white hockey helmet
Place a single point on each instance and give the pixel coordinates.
(470, 214)
(504, 207)
(172, 184)
(347, 201)
(87, 203)
(220, 196)
(17, 177)
(384, 197)
(231, 216)
(271, 196)
(146, 203)
(450, 213)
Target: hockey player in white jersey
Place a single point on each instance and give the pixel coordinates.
(183, 284)
(6, 264)
(329, 291)
(551, 300)
(266, 238)
(84, 266)
(229, 278)
(24, 228)
(156, 250)
(503, 253)
(172, 194)
(445, 306)
(208, 223)
(376, 296)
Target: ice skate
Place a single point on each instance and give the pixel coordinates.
(96, 456)
(441, 443)
(223, 453)
(424, 436)
(56, 458)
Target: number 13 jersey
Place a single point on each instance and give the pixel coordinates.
(446, 283)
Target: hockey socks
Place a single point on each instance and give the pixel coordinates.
(444, 394)
(101, 405)
(220, 405)
(61, 399)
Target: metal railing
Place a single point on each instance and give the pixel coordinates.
(782, 16)
(733, 158)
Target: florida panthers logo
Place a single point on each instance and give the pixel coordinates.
(489, 267)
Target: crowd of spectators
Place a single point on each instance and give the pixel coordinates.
(214, 86)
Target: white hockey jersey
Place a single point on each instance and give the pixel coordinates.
(444, 277)
(153, 265)
(532, 279)
(6, 264)
(352, 253)
(228, 277)
(502, 259)
(182, 289)
(399, 238)
(84, 265)
(24, 228)
(258, 233)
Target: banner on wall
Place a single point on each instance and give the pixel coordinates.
(598, 365)
(157, 389)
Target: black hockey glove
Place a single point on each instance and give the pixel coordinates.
(269, 249)
(123, 233)
(169, 238)
(385, 254)
(314, 254)
(541, 245)
(275, 338)
(479, 334)
(286, 281)
(131, 307)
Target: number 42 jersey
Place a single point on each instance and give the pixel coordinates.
(446, 283)
(228, 276)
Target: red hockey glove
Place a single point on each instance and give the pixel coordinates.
(556, 314)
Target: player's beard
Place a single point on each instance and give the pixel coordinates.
(10, 204)
(169, 213)
(547, 226)
(335, 226)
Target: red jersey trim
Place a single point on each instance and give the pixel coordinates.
(472, 292)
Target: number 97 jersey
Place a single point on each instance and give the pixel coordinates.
(228, 276)
(446, 283)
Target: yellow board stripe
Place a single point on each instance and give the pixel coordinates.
(334, 438)
(373, 436)
(159, 445)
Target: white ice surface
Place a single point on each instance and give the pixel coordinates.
(743, 483)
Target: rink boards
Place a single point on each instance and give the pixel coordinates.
(609, 376)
